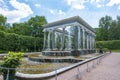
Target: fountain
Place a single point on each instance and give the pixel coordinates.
(64, 42)
(66, 39)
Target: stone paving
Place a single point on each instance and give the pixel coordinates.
(108, 69)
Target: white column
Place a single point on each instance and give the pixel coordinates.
(53, 39)
(44, 47)
(48, 41)
(69, 41)
(63, 37)
(92, 42)
(83, 38)
(88, 41)
(79, 38)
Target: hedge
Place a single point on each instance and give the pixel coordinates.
(15, 42)
(113, 44)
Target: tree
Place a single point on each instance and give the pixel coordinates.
(20, 28)
(104, 25)
(108, 29)
(2, 22)
(115, 29)
(98, 34)
(32, 27)
(14, 37)
(36, 23)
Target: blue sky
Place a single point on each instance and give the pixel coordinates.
(89, 10)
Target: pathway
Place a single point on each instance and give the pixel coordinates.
(108, 69)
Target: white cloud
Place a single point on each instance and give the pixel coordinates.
(77, 4)
(99, 6)
(56, 12)
(114, 2)
(119, 7)
(80, 4)
(52, 11)
(37, 5)
(21, 10)
(61, 12)
(1, 1)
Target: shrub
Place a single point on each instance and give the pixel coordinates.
(113, 44)
(15, 42)
(12, 60)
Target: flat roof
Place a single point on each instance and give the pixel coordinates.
(69, 20)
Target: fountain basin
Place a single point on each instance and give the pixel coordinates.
(55, 60)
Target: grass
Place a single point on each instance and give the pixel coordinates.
(3, 52)
(117, 50)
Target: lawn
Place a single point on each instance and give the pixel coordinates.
(117, 50)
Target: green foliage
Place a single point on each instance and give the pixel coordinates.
(25, 36)
(116, 50)
(108, 29)
(2, 22)
(12, 60)
(104, 26)
(105, 49)
(15, 42)
(113, 44)
(32, 27)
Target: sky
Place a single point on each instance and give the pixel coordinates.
(89, 10)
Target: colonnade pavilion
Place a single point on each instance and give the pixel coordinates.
(69, 35)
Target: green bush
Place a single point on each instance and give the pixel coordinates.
(113, 44)
(12, 60)
(15, 42)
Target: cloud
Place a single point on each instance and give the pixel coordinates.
(114, 2)
(61, 12)
(37, 5)
(21, 10)
(56, 12)
(1, 1)
(52, 11)
(77, 4)
(80, 4)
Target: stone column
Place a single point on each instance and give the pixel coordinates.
(83, 38)
(79, 38)
(63, 37)
(88, 41)
(53, 39)
(48, 41)
(69, 41)
(44, 46)
(92, 42)
(76, 37)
